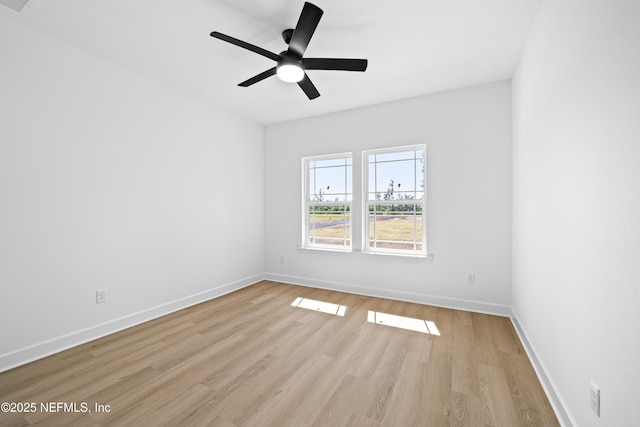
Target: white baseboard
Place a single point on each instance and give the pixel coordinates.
(43, 349)
(458, 304)
(558, 404)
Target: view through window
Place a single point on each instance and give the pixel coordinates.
(328, 197)
(395, 200)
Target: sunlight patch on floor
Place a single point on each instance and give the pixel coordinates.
(409, 323)
(321, 306)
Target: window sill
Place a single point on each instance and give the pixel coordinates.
(314, 249)
(428, 257)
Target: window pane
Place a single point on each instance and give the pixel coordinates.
(420, 175)
(330, 225)
(395, 227)
(396, 175)
(349, 185)
(311, 182)
(331, 182)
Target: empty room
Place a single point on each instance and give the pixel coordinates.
(325, 213)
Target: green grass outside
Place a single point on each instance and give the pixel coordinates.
(397, 228)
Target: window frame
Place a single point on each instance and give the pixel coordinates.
(307, 203)
(367, 246)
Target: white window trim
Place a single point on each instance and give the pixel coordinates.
(306, 203)
(366, 202)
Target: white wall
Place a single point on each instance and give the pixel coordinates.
(111, 181)
(468, 137)
(576, 194)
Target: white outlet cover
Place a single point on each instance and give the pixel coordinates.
(101, 296)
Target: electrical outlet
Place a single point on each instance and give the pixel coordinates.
(101, 296)
(281, 260)
(471, 279)
(595, 397)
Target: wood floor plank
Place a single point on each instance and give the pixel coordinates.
(438, 381)
(250, 358)
(496, 396)
(240, 356)
(465, 377)
(308, 382)
(526, 391)
(410, 402)
(373, 341)
(386, 376)
(467, 411)
(350, 393)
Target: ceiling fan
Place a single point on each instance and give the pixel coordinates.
(291, 63)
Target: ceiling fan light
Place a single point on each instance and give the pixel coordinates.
(290, 73)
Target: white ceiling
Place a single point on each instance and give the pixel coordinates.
(414, 47)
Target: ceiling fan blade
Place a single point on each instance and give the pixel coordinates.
(334, 64)
(307, 23)
(245, 45)
(308, 87)
(259, 77)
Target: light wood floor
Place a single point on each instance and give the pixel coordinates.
(250, 358)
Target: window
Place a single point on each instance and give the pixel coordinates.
(327, 202)
(394, 203)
